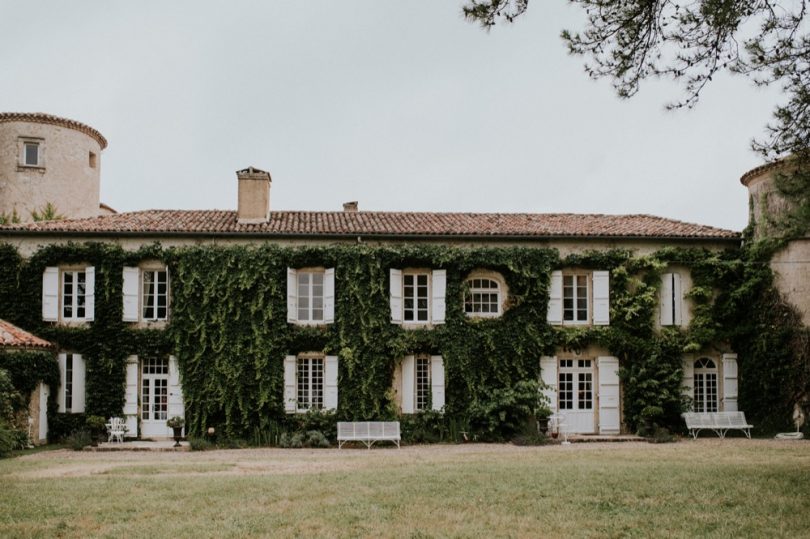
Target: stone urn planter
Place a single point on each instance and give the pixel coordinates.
(176, 424)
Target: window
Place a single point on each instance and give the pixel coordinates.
(575, 388)
(705, 396)
(311, 296)
(92, 160)
(417, 296)
(671, 300)
(422, 383)
(71, 395)
(575, 298)
(310, 382)
(146, 293)
(154, 389)
(482, 298)
(31, 154)
(68, 294)
(579, 297)
(155, 294)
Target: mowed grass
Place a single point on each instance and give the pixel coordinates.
(731, 488)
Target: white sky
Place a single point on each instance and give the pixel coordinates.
(400, 105)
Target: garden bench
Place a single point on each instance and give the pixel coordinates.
(367, 432)
(719, 422)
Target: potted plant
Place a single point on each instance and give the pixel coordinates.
(97, 426)
(176, 423)
(542, 413)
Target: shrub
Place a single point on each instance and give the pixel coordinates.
(532, 438)
(9, 440)
(62, 426)
(501, 413)
(200, 444)
(79, 439)
(428, 426)
(297, 440)
(315, 438)
(324, 421)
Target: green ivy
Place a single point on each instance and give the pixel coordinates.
(228, 327)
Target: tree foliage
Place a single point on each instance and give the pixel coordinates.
(629, 41)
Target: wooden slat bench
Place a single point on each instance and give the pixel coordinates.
(368, 432)
(719, 422)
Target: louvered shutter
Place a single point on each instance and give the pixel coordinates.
(609, 416)
(131, 396)
(90, 293)
(730, 383)
(130, 293)
(176, 406)
(79, 377)
(50, 294)
(555, 292)
(677, 300)
(688, 383)
(330, 383)
(437, 382)
(439, 284)
(60, 396)
(395, 288)
(548, 374)
(329, 296)
(292, 295)
(290, 403)
(666, 299)
(408, 373)
(601, 298)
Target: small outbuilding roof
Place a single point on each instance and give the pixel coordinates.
(13, 337)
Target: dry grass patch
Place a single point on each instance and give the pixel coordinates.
(710, 488)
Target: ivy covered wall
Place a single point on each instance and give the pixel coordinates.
(229, 332)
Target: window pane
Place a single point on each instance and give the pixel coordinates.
(422, 383)
(31, 154)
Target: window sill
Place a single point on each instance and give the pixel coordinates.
(416, 325)
(477, 316)
(311, 324)
(26, 168)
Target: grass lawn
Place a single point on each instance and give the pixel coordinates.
(731, 488)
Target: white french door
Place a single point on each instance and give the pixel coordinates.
(575, 393)
(154, 397)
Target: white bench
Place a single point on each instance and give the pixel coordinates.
(367, 432)
(719, 422)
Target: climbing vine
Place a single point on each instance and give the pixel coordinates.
(228, 326)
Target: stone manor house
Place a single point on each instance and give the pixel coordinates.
(46, 159)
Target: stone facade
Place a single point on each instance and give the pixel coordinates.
(66, 173)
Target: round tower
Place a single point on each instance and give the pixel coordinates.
(769, 206)
(47, 161)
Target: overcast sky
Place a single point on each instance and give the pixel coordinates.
(400, 105)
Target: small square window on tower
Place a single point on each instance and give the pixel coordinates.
(92, 160)
(31, 154)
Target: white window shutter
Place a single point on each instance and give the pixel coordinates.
(131, 277)
(90, 293)
(408, 375)
(601, 298)
(79, 377)
(688, 382)
(329, 296)
(50, 294)
(548, 374)
(555, 292)
(292, 295)
(677, 299)
(395, 288)
(439, 284)
(437, 382)
(176, 406)
(730, 383)
(609, 416)
(290, 402)
(330, 382)
(666, 299)
(131, 396)
(60, 396)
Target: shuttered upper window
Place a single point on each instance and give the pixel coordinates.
(671, 300)
(68, 294)
(146, 293)
(311, 295)
(417, 296)
(579, 297)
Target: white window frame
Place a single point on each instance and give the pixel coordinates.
(414, 275)
(327, 296)
(72, 383)
(155, 295)
(315, 389)
(471, 291)
(24, 142)
(705, 379)
(581, 372)
(574, 276)
(422, 388)
(310, 296)
(411, 401)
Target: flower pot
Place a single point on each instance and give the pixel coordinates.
(542, 425)
(178, 434)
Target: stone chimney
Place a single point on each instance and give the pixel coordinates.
(350, 206)
(254, 196)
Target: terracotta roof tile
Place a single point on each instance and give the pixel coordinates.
(42, 118)
(11, 335)
(371, 223)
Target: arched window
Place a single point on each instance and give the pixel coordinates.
(483, 297)
(705, 385)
